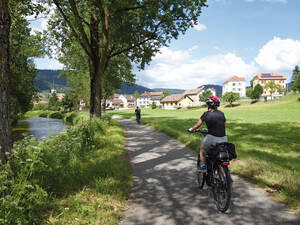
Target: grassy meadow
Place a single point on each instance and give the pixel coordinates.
(266, 135)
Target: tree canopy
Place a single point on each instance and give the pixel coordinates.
(231, 97)
(257, 92)
(272, 87)
(106, 29)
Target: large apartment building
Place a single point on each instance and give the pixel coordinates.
(263, 78)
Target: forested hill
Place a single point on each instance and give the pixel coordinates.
(45, 79)
(171, 90)
(130, 89)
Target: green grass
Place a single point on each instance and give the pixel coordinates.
(103, 199)
(266, 135)
(81, 176)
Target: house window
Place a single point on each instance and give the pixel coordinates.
(239, 89)
(233, 84)
(233, 89)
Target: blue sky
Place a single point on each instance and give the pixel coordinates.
(233, 37)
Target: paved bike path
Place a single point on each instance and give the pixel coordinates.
(165, 191)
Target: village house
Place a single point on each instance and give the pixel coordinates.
(128, 100)
(114, 102)
(235, 84)
(147, 98)
(176, 101)
(194, 94)
(263, 78)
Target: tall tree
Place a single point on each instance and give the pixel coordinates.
(136, 95)
(119, 69)
(135, 28)
(166, 93)
(296, 71)
(5, 130)
(24, 45)
(272, 87)
(296, 83)
(257, 92)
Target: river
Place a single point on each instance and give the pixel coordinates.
(38, 127)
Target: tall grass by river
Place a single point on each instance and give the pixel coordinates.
(266, 135)
(82, 176)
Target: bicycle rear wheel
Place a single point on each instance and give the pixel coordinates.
(200, 179)
(200, 176)
(222, 188)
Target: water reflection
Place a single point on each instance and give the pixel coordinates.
(38, 127)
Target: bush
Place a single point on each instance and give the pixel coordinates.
(56, 115)
(45, 169)
(69, 117)
(153, 105)
(39, 107)
(44, 114)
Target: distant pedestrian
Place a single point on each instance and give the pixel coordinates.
(138, 114)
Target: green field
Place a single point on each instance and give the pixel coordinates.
(266, 135)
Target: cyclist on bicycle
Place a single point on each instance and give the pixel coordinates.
(215, 122)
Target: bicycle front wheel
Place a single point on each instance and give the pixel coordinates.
(222, 188)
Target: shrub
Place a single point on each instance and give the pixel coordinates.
(153, 105)
(39, 107)
(56, 115)
(45, 169)
(44, 114)
(69, 117)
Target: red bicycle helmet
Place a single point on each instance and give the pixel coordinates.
(213, 101)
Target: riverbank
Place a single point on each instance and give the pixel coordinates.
(81, 176)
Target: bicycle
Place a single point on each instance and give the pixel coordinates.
(218, 176)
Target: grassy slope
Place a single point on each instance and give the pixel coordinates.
(100, 197)
(102, 200)
(266, 135)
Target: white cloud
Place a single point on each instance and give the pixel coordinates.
(279, 54)
(193, 48)
(188, 73)
(166, 55)
(200, 27)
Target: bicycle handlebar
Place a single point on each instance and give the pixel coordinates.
(203, 131)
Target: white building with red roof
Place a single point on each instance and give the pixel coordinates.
(146, 99)
(235, 84)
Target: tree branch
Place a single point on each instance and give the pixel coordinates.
(129, 9)
(85, 46)
(78, 21)
(138, 44)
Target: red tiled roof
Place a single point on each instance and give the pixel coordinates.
(235, 78)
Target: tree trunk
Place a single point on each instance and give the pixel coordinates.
(95, 98)
(5, 129)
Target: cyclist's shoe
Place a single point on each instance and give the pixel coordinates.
(202, 168)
